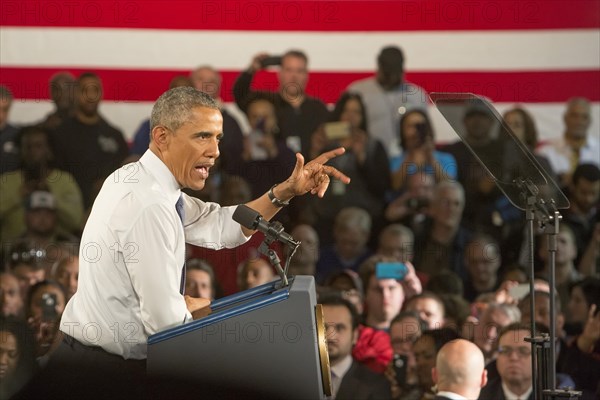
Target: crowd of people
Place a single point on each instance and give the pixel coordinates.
(424, 206)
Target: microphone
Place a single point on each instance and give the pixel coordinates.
(252, 219)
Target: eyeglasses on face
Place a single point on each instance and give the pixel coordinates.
(522, 351)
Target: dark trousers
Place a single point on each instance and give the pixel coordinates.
(78, 371)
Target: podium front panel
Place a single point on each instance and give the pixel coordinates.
(264, 341)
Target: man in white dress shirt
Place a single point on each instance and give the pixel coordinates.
(133, 246)
(577, 145)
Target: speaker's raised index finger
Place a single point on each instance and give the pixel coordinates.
(323, 158)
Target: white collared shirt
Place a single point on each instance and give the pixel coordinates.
(508, 395)
(451, 395)
(340, 370)
(558, 153)
(132, 254)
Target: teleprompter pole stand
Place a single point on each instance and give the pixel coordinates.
(543, 347)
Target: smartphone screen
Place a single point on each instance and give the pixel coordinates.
(272, 60)
(400, 364)
(391, 270)
(337, 130)
(48, 303)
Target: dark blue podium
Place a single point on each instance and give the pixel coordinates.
(267, 340)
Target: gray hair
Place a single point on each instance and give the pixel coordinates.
(353, 217)
(449, 185)
(398, 230)
(174, 107)
(511, 311)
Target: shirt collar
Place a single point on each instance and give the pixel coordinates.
(162, 174)
(342, 367)
(451, 395)
(508, 395)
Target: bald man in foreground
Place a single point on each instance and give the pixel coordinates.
(459, 371)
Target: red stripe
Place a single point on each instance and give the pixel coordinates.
(143, 85)
(267, 15)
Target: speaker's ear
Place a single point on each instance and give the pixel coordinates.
(159, 136)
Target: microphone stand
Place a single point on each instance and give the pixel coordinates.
(271, 235)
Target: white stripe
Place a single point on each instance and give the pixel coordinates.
(128, 116)
(347, 51)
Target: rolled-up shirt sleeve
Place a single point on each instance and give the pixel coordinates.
(210, 225)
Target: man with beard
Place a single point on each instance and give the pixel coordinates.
(38, 171)
(349, 378)
(87, 146)
(298, 114)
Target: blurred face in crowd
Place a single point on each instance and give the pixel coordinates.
(447, 207)
(478, 126)
(352, 113)
(4, 109)
(35, 149)
(89, 95)
(207, 80)
(516, 123)
(403, 335)
(384, 298)
(261, 116)
(410, 130)
(514, 358)
(350, 241)
(585, 194)
(395, 246)
(542, 312)
(9, 355)
(28, 276)
(344, 284)
(256, 272)
(566, 251)
(293, 76)
(425, 353)
(234, 192)
(577, 120)
(11, 302)
(430, 311)
(62, 91)
(305, 258)
(41, 221)
(578, 306)
(486, 331)
(198, 284)
(340, 335)
(482, 260)
(67, 274)
(421, 185)
(190, 151)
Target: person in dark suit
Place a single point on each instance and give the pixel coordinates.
(350, 379)
(459, 371)
(514, 366)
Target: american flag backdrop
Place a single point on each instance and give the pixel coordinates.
(537, 53)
